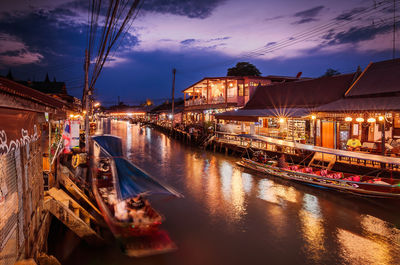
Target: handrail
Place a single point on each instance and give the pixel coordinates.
(313, 148)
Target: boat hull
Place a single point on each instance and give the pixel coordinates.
(122, 229)
(359, 188)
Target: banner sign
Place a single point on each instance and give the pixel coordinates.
(17, 128)
(75, 133)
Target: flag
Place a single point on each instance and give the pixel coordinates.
(67, 136)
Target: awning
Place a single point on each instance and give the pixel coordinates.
(255, 114)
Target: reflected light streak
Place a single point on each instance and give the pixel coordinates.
(213, 195)
(276, 193)
(312, 227)
(356, 249)
(237, 195)
(225, 171)
(128, 140)
(247, 180)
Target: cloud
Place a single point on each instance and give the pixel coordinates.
(348, 15)
(312, 12)
(190, 8)
(14, 52)
(274, 18)
(357, 34)
(305, 20)
(114, 60)
(308, 15)
(207, 43)
(188, 41)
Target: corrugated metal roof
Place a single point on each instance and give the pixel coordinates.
(17, 89)
(301, 94)
(362, 104)
(378, 78)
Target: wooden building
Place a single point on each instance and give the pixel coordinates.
(369, 105)
(285, 110)
(213, 95)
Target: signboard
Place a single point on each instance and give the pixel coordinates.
(17, 128)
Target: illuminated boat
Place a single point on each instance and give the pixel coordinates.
(115, 181)
(352, 183)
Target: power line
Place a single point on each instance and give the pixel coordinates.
(310, 33)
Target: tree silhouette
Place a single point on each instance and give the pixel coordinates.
(243, 69)
(331, 72)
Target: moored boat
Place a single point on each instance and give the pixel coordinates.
(353, 183)
(121, 190)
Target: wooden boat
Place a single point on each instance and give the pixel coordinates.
(115, 181)
(360, 185)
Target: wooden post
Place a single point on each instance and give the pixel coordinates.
(208, 88)
(173, 96)
(87, 95)
(226, 92)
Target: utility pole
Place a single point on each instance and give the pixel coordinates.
(394, 29)
(87, 100)
(173, 96)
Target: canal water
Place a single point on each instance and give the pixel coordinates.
(233, 216)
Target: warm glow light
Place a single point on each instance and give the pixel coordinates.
(281, 120)
(71, 115)
(231, 85)
(84, 112)
(381, 118)
(313, 117)
(371, 120)
(359, 119)
(97, 104)
(348, 119)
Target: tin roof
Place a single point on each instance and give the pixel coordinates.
(378, 78)
(22, 91)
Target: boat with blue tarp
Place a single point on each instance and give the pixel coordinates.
(122, 192)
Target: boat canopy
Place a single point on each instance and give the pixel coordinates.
(129, 180)
(313, 148)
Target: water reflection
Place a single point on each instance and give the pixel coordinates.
(312, 227)
(242, 218)
(276, 193)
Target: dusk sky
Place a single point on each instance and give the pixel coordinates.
(199, 38)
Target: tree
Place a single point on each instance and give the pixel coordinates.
(331, 72)
(243, 69)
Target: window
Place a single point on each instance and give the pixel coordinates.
(240, 90)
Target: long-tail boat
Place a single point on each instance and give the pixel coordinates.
(372, 186)
(119, 187)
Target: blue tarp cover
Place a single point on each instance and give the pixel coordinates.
(130, 180)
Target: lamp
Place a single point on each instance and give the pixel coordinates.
(359, 119)
(348, 119)
(381, 118)
(281, 120)
(313, 117)
(371, 120)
